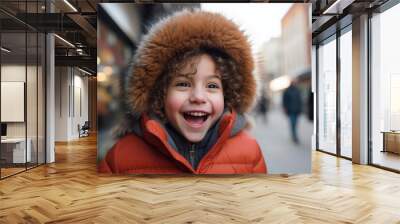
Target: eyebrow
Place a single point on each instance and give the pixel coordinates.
(182, 76)
(214, 76)
(189, 76)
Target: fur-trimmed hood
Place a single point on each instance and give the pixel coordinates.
(178, 33)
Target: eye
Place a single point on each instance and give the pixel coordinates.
(182, 84)
(213, 86)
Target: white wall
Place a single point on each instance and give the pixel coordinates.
(61, 103)
(12, 101)
(13, 73)
(33, 126)
(16, 73)
(71, 94)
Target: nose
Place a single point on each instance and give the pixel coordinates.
(198, 95)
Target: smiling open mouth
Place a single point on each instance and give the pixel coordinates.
(195, 117)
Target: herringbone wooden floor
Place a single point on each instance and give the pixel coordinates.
(70, 191)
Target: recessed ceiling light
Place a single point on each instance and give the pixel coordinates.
(337, 7)
(64, 40)
(84, 71)
(70, 5)
(5, 50)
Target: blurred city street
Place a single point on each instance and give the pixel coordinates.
(280, 153)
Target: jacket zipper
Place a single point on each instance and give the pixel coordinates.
(191, 154)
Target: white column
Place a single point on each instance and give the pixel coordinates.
(360, 90)
(50, 94)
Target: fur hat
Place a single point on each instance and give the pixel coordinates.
(181, 32)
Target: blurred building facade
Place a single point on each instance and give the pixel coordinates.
(289, 56)
(271, 55)
(296, 41)
(270, 64)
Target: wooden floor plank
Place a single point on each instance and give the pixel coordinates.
(70, 191)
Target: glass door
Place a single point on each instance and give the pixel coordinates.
(13, 103)
(22, 76)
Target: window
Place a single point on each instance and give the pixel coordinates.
(327, 96)
(346, 94)
(385, 89)
(22, 75)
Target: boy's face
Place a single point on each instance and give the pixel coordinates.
(194, 103)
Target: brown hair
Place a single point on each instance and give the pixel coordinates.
(226, 67)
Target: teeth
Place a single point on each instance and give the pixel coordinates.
(197, 114)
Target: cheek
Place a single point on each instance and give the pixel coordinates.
(173, 102)
(218, 103)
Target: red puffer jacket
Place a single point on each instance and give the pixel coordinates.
(152, 154)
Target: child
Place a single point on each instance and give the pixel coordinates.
(191, 83)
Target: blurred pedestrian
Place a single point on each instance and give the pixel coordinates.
(310, 105)
(292, 104)
(263, 106)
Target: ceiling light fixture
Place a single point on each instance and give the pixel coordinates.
(64, 40)
(84, 71)
(337, 7)
(70, 5)
(5, 50)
